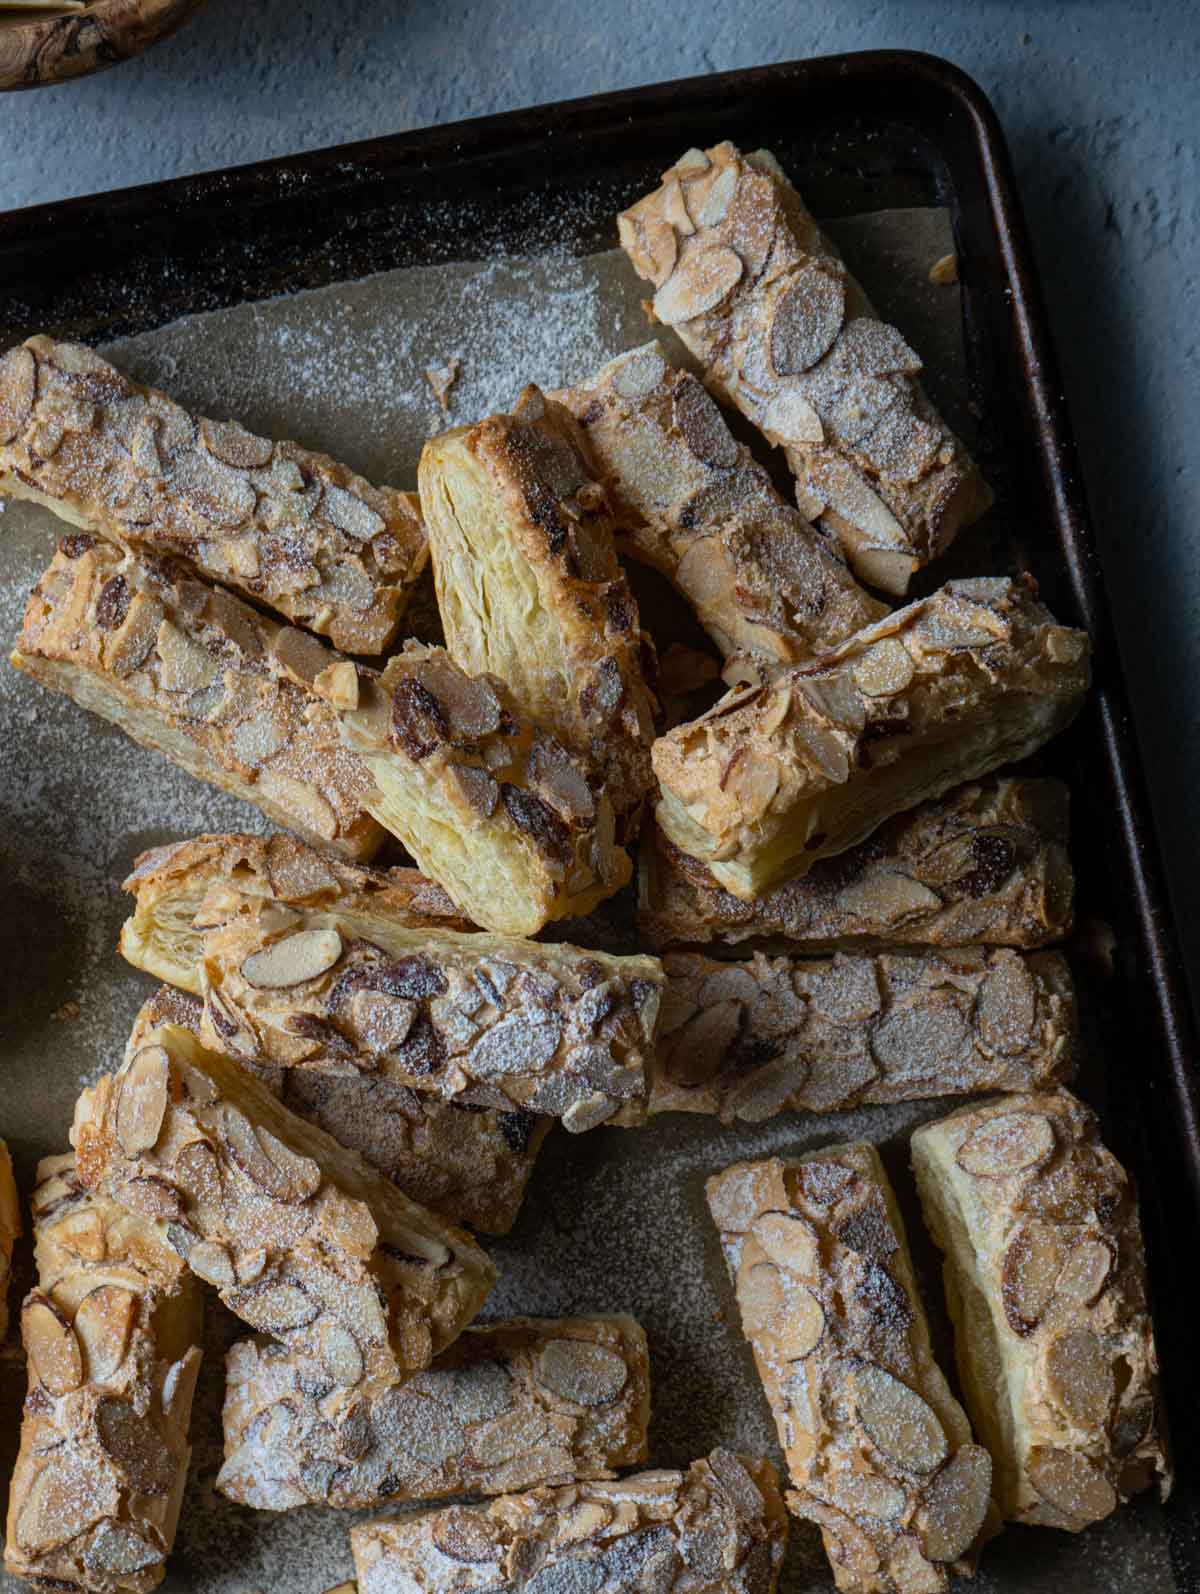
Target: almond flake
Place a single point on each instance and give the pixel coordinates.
(51, 1345)
(1005, 1145)
(211, 1261)
(135, 1445)
(103, 1322)
(884, 669)
(298, 958)
(638, 374)
(807, 317)
(234, 445)
(1086, 1271)
(350, 514)
(275, 1168)
(18, 387)
(956, 1504)
(1080, 1378)
(702, 426)
(1071, 1484)
(142, 1103)
(902, 1425)
(1029, 1275)
(582, 1372)
(701, 280)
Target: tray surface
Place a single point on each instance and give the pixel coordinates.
(858, 134)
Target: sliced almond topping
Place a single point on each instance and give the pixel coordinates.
(151, 1197)
(808, 317)
(887, 899)
(468, 702)
(234, 445)
(789, 418)
(301, 656)
(117, 1551)
(1028, 1276)
(18, 385)
(702, 426)
(864, 1493)
(296, 871)
(230, 1024)
(588, 1374)
(211, 1261)
(639, 373)
(304, 956)
(662, 249)
(769, 1088)
(1071, 1483)
(103, 1323)
(1086, 1271)
(700, 281)
(221, 495)
(901, 1425)
(1007, 1006)
(277, 1307)
(135, 1445)
(1006, 1145)
(198, 1171)
(65, 1499)
(350, 514)
(890, 572)
(338, 684)
(675, 209)
(340, 1353)
(1080, 1377)
(761, 1295)
(737, 1483)
(185, 666)
(789, 1241)
(51, 1346)
(284, 1174)
(803, 1327)
(884, 669)
(480, 789)
(142, 1103)
(956, 1504)
(463, 1533)
(712, 208)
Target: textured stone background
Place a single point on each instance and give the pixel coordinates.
(1099, 100)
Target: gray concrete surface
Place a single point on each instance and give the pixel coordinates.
(1099, 98)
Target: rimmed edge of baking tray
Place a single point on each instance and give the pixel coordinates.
(941, 103)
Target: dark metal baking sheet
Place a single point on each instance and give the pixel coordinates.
(860, 132)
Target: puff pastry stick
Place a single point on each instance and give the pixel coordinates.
(299, 1236)
(507, 1407)
(748, 1040)
(943, 691)
(293, 529)
(693, 502)
(879, 1451)
(204, 679)
(1046, 1281)
(719, 1527)
(345, 986)
(498, 812)
(10, 1231)
(987, 864)
(521, 535)
(468, 1164)
(112, 1332)
(783, 331)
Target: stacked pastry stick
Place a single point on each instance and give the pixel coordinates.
(346, 1062)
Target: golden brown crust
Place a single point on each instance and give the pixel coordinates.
(720, 1527)
(300, 1237)
(293, 529)
(879, 1450)
(10, 1231)
(760, 297)
(468, 1164)
(749, 1040)
(694, 503)
(509, 1406)
(1046, 1281)
(943, 691)
(516, 829)
(986, 865)
(347, 987)
(530, 590)
(204, 679)
(112, 1334)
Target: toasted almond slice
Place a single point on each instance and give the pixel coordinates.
(340, 1353)
(1007, 1007)
(103, 1322)
(1071, 1484)
(301, 656)
(701, 279)
(1081, 1378)
(142, 1105)
(211, 1261)
(50, 1343)
(884, 669)
(808, 317)
(788, 417)
(135, 1445)
(761, 1296)
(956, 1504)
(276, 1307)
(300, 957)
(887, 898)
(640, 372)
(588, 1374)
(1086, 1271)
(263, 1158)
(803, 1327)
(18, 387)
(901, 1425)
(462, 1533)
(1005, 1145)
(789, 1241)
(1028, 1276)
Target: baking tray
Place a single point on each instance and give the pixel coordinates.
(858, 132)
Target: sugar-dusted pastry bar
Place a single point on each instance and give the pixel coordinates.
(880, 1453)
(1046, 1281)
(693, 502)
(530, 590)
(509, 1406)
(112, 1334)
(204, 679)
(783, 331)
(10, 1231)
(517, 830)
(468, 1164)
(350, 984)
(720, 1527)
(941, 692)
(292, 529)
(301, 1238)
(987, 864)
(749, 1039)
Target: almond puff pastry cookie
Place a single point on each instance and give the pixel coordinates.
(301, 1238)
(987, 864)
(759, 295)
(515, 827)
(1045, 1278)
(747, 1040)
(720, 1527)
(290, 528)
(691, 501)
(207, 681)
(880, 1453)
(522, 539)
(111, 1334)
(943, 691)
(468, 1164)
(346, 984)
(509, 1406)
